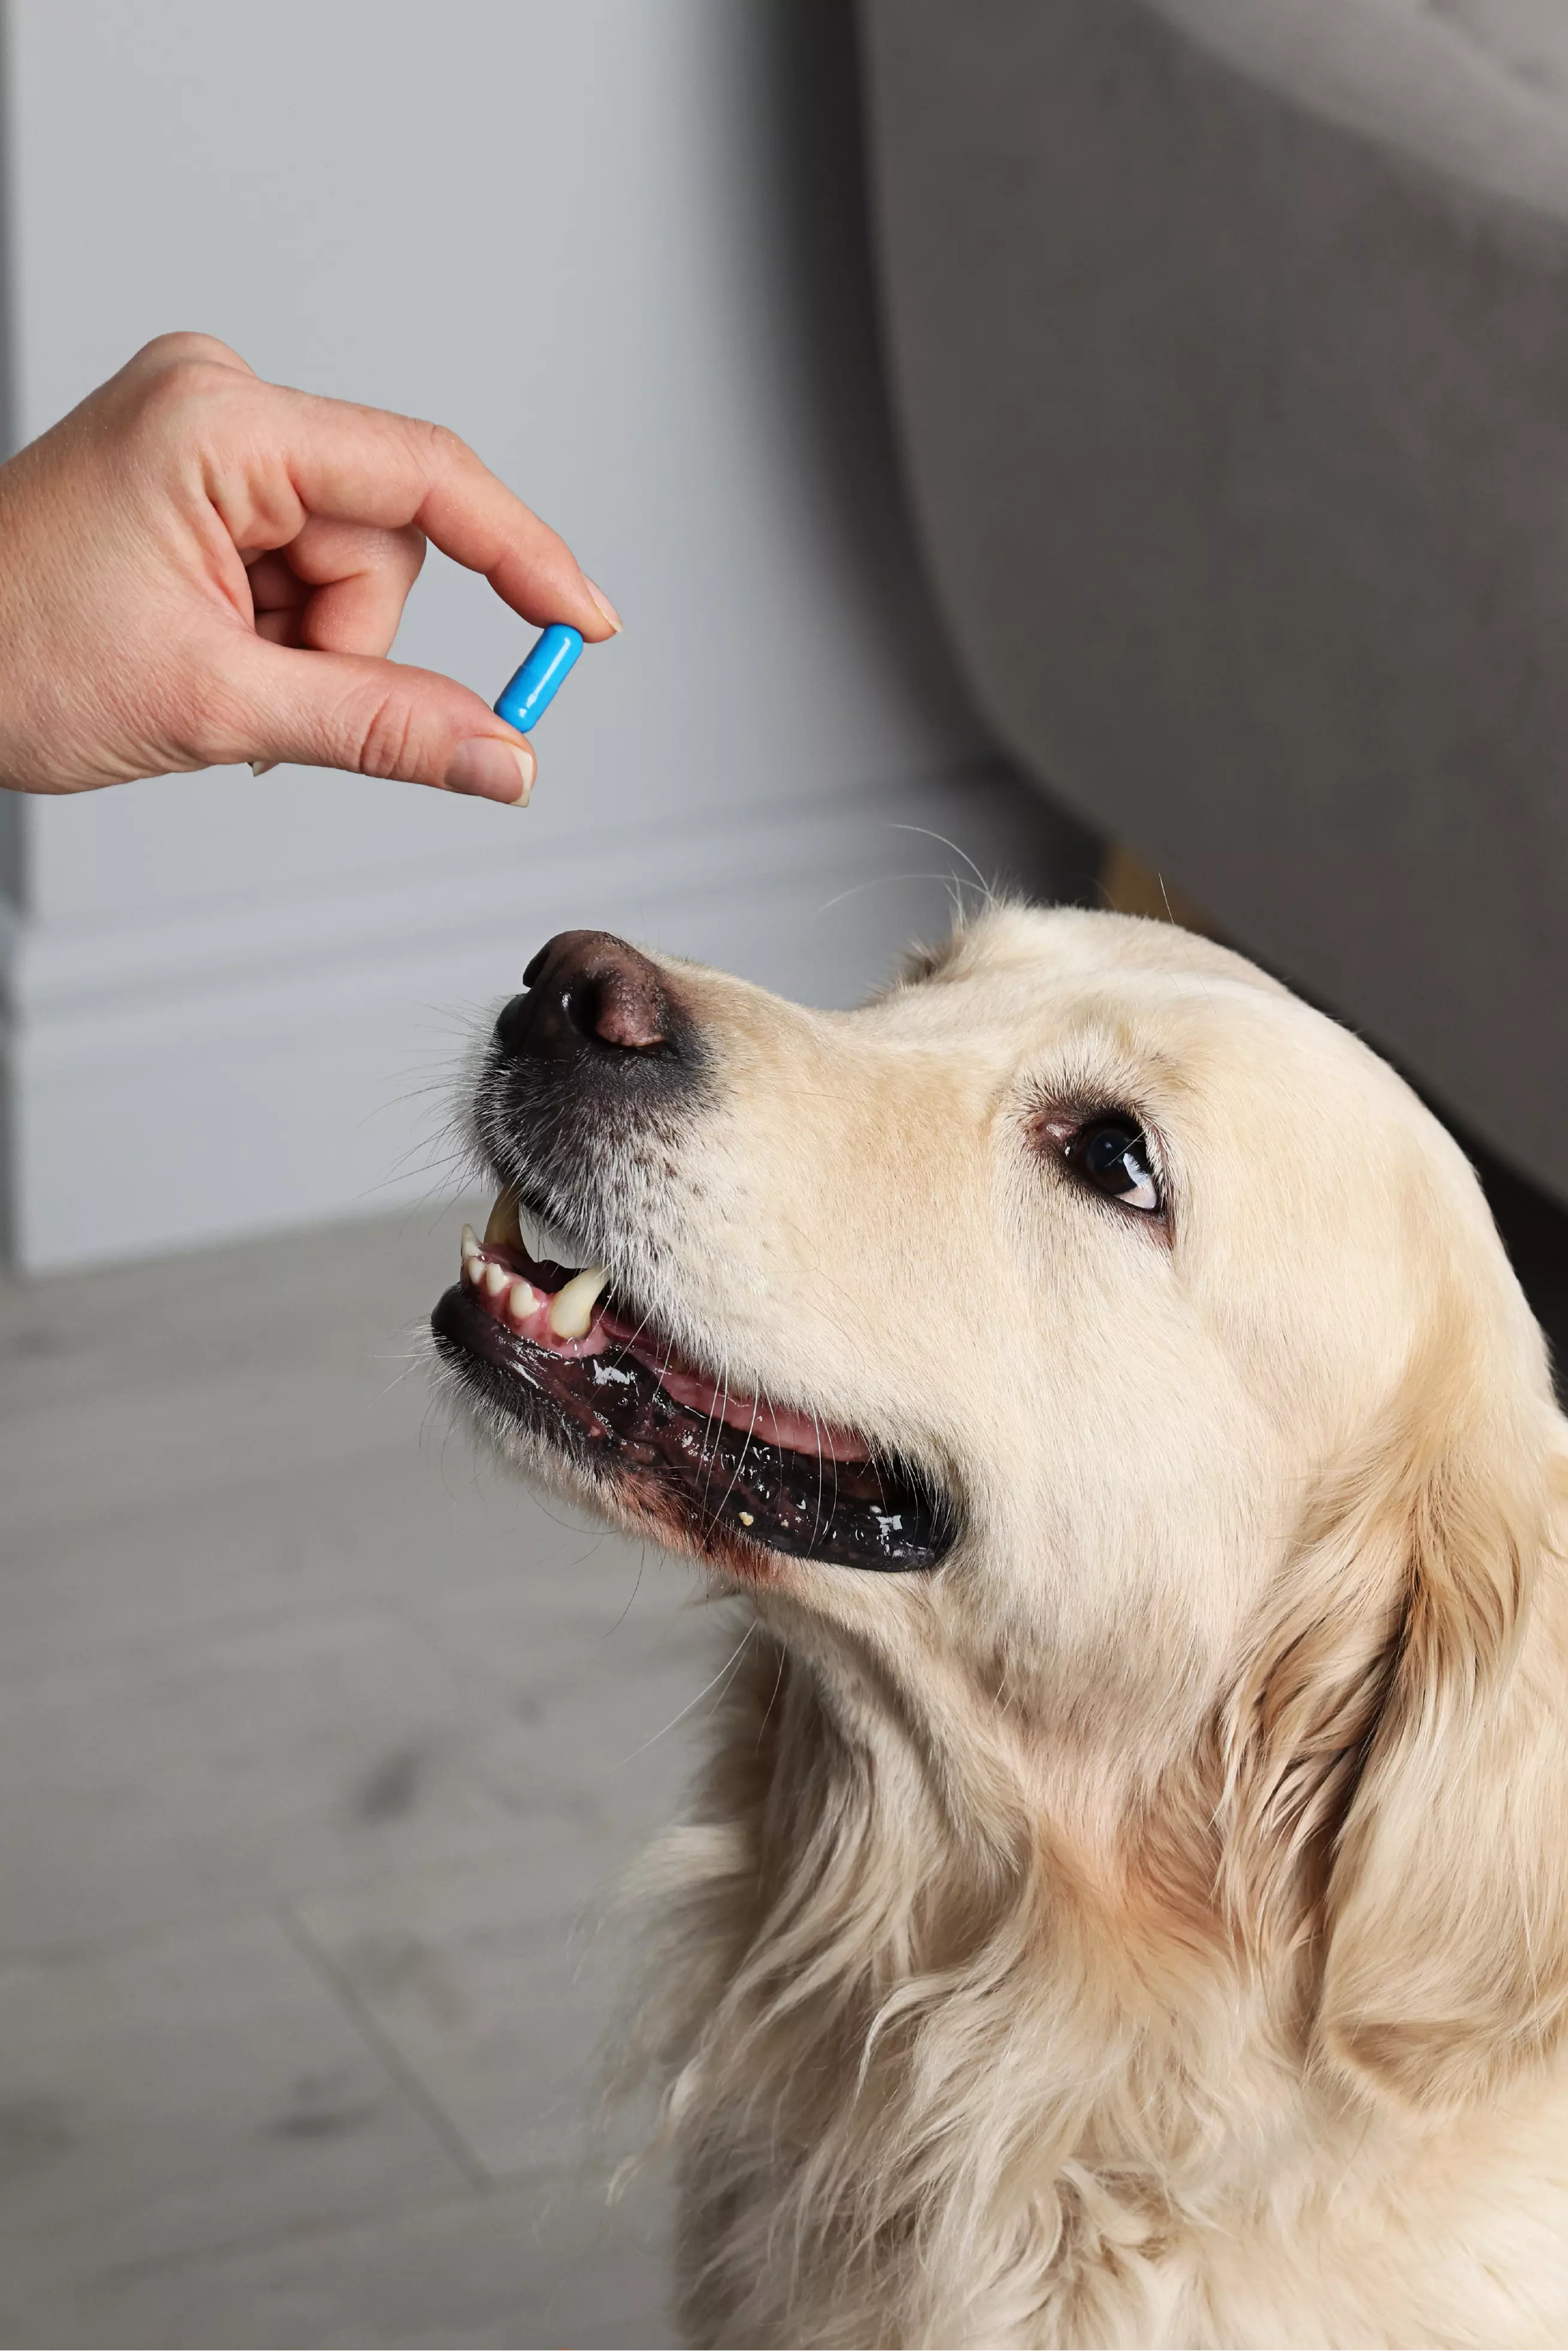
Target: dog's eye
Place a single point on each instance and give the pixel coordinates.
(1112, 1154)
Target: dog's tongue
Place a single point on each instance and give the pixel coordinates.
(794, 1432)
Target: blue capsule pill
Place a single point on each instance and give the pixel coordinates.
(529, 693)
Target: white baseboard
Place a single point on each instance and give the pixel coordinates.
(219, 1071)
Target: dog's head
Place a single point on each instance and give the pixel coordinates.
(1092, 1359)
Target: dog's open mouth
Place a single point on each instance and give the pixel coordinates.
(542, 1342)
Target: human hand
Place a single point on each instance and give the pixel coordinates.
(197, 567)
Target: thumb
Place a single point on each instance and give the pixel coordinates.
(374, 718)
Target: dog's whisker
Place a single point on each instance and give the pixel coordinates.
(988, 890)
(696, 1701)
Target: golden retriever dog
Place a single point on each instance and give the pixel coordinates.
(1128, 1899)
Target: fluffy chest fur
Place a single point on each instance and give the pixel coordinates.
(919, 2096)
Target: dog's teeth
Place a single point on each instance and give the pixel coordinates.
(521, 1300)
(571, 1309)
(496, 1279)
(551, 1246)
(470, 1243)
(512, 1227)
(503, 1230)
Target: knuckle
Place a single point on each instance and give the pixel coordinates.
(442, 447)
(216, 730)
(386, 738)
(184, 344)
(185, 391)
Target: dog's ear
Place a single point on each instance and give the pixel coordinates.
(1398, 1763)
(1447, 1909)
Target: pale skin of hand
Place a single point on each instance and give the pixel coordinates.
(198, 568)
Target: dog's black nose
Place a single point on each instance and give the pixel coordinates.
(586, 993)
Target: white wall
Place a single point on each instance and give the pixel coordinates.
(616, 246)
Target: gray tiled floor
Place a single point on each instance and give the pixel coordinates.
(320, 1745)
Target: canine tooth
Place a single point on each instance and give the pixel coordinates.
(470, 1241)
(502, 1231)
(521, 1300)
(497, 1279)
(551, 1246)
(571, 1309)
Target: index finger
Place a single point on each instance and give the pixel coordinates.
(369, 465)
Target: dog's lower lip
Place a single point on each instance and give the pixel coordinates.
(712, 1485)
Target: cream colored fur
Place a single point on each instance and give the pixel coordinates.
(1152, 1926)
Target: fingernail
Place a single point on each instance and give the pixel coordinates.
(488, 769)
(605, 606)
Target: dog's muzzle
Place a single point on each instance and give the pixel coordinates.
(596, 1074)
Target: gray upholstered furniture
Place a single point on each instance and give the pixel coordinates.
(1229, 345)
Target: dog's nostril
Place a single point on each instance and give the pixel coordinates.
(621, 1008)
(587, 992)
